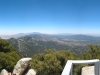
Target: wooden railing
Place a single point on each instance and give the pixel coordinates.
(69, 66)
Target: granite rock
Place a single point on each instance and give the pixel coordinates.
(31, 72)
(88, 70)
(4, 72)
(21, 65)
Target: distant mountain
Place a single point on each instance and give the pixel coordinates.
(32, 33)
(33, 43)
(17, 35)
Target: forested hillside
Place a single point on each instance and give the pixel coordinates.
(35, 43)
(8, 56)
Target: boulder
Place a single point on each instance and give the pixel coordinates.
(4, 72)
(88, 70)
(31, 72)
(21, 66)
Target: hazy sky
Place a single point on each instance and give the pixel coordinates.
(50, 16)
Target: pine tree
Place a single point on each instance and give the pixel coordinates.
(8, 55)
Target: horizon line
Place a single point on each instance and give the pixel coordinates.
(49, 33)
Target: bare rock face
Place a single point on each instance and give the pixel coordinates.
(88, 70)
(4, 72)
(31, 72)
(21, 65)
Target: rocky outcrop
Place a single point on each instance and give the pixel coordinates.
(21, 65)
(88, 70)
(31, 72)
(21, 68)
(4, 72)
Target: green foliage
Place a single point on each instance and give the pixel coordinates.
(51, 62)
(8, 55)
(92, 53)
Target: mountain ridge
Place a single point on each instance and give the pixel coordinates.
(35, 43)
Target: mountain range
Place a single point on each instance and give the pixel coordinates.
(32, 43)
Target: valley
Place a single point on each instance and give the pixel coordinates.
(36, 43)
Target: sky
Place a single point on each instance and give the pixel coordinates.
(49, 16)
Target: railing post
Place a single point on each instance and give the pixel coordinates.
(71, 71)
(96, 68)
(68, 68)
(99, 67)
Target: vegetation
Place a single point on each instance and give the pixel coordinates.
(52, 62)
(92, 53)
(8, 55)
